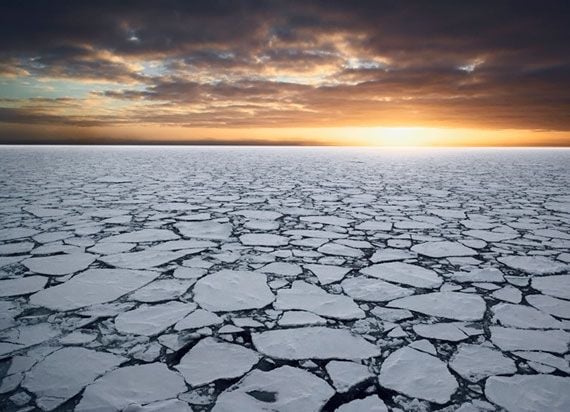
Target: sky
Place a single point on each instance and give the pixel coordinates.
(333, 72)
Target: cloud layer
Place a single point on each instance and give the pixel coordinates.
(253, 64)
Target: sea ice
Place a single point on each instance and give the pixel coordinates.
(345, 374)
(339, 250)
(144, 235)
(210, 360)
(300, 318)
(529, 393)
(533, 265)
(320, 234)
(490, 236)
(282, 269)
(449, 331)
(230, 290)
(404, 273)
(284, 389)
(258, 214)
(205, 230)
(313, 343)
(138, 384)
(553, 306)
(152, 320)
(476, 362)
(509, 339)
(546, 359)
(479, 275)
(524, 317)
(443, 249)
(145, 259)
(22, 286)
(64, 373)
(161, 290)
(371, 403)
(12, 233)
(59, 265)
(389, 254)
(198, 319)
(304, 296)
(557, 285)
(328, 273)
(16, 248)
(92, 287)
(373, 290)
(431, 380)
(263, 239)
(450, 305)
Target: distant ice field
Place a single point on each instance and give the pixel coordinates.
(284, 278)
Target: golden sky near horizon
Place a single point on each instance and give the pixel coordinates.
(389, 73)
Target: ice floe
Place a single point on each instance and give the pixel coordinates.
(263, 239)
(556, 285)
(345, 374)
(304, 296)
(59, 265)
(373, 290)
(152, 320)
(328, 273)
(431, 380)
(94, 286)
(313, 343)
(145, 259)
(205, 230)
(138, 384)
(443, 249)
(22, 286)
(230, 290)
(210, 360)
(534, 265)
(404, 273)
(476, 362)
(450, 305)
(64, 373)
(144, 235)
(285, 389)
(529, 393)
(509, 339)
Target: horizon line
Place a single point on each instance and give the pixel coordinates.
(298, 145)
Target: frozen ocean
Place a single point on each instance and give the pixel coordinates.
(147, 279)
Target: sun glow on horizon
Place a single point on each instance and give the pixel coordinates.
(413, 136)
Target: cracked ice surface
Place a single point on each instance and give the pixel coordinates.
(284, 279)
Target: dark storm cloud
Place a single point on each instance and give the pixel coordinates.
(499, 64)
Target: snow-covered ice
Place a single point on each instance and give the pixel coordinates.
(450, 305)
(230, 290)
(475, 362)
(529, 393)
(92, 287)
(345, 374)
(313, 343)
(59, 265)
(152, 320)
(304, 296)
(64, 373)
(284, 389)
(210, 360)
(418, 374)
(404, 273)
(373, 290)
(138, 384)
(284, 279)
